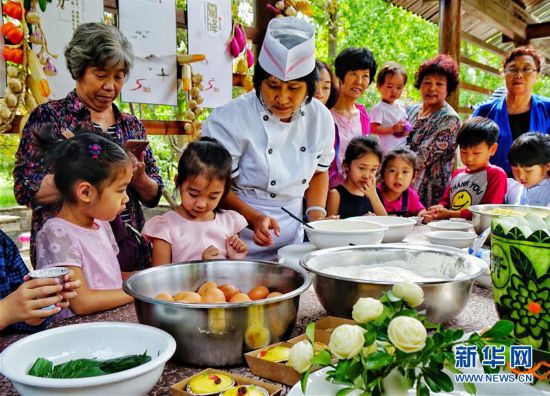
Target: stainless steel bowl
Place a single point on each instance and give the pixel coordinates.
(219, 334)
(443, 300)
(482, 220)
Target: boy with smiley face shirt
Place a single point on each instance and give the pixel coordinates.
(478, 182)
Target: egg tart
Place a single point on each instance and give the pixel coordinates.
(276, 354)
(209, 383)
(246, 390)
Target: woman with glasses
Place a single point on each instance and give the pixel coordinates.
(520, 110)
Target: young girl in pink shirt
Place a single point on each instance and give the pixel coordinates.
(197, 228)
(398, 197)
(91, 174)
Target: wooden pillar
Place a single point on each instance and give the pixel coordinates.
(262, 16)
(449, 36)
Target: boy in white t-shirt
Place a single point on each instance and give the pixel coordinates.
(388, 119)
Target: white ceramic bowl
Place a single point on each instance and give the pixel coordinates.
(291, 254)
(335, 233)
(458, 239)
(448, 225)
(398, 227)
(101, 340)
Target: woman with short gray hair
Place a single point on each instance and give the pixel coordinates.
(99, 58)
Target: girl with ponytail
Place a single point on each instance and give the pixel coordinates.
(91, 174)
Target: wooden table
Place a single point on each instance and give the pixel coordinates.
(479, 313)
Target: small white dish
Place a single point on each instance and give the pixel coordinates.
(398, 227)
(458, 239)
(448, 225)
(291, 254)
(336, 233)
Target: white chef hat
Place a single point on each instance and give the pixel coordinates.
(288, 50)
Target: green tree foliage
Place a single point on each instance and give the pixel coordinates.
(392, 33)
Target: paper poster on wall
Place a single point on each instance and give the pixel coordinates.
(59, 24)
(2, 61)
(208, 29)
(150, 25)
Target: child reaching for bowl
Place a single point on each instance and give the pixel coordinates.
(198, 228)
(23, 301)
(388, 119)
(91, 174)
(357, 195)
(529, 157)
(398, 197)
(478, 182)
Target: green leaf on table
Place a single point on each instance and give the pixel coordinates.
(441, 379)
(310, 331)
(303, 380)
(322, 358)
(77, 368)
(343, 392)
(438, 339)
(370, 337)
(421, 389)
(439, 357)
(342, 369)
(501, 329)
(124, 363)
(453, 335)
(41, 368)
(354, 373)
(470, 388)
(432, 384)
(377, 360)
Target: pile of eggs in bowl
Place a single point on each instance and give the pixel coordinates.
(211, 293)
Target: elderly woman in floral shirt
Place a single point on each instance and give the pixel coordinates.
(435, 125)
(98, 58)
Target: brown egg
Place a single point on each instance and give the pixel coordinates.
(164, 297)
(274, 294)
(258, 293)
(212, 295)
(188, 297)
(205, 286)
(229, 291)
(240, 297)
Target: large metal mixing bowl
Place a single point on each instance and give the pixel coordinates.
(443, 300)
(482, 216)
(219, 334)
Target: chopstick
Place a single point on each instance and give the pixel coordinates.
(295, 217)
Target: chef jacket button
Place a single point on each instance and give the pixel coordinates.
(270, 151)
(266, 118)
(304, 181)
(273, 182)
(303, 113)
(302, 149)
(272, 195)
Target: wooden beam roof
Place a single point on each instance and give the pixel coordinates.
(485, 22)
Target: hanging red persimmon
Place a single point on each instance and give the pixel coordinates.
(13, 9)
(14, 55)
(13, 33)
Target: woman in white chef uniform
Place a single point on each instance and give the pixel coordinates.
(280, 139)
